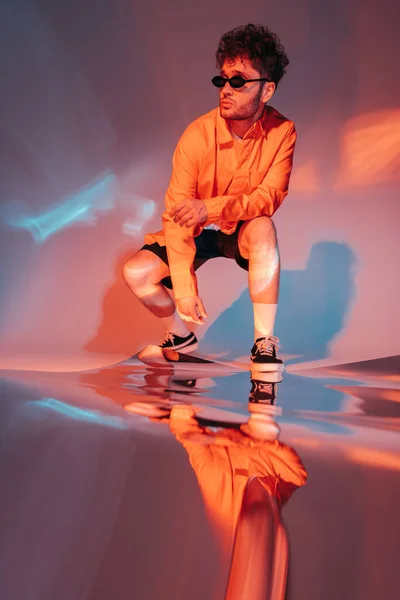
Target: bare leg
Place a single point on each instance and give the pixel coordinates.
(252, 572)
(258, 243)
(143, 273)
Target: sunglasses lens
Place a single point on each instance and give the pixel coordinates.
(218, 81)
(237, 81)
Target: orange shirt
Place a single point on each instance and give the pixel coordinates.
(235, 185)
(224, 468)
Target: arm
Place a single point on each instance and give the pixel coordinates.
(193, 437)
(267, 197)
(179, 240)
(291, 471)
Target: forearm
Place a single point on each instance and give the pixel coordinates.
(243, 207)
(181, 251)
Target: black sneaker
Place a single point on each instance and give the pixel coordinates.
(178, 343)
(262, 392)
(264, 386)
(263, 354)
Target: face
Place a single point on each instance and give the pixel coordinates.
(248, 101)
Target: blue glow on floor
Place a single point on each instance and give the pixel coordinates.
(73, 412)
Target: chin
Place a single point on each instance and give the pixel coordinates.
(227, 113)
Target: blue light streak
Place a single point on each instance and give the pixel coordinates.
(78, 208)
(73, 412)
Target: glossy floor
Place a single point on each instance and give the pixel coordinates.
(127, 482)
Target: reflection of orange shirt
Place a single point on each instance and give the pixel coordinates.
(223, 470)
(236, 186)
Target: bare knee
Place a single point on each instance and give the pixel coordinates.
(132, 271)
(257, 234)
(140, 270)
(261, 226)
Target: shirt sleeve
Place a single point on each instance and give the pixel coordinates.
(181, 248)
(290, 470)
(267, 197)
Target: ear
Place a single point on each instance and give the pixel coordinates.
(268, 91)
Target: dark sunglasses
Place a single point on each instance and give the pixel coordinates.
(235, 82)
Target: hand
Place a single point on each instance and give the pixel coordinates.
(183, 412)
(189, 212)
(182, 421)
(191, 309)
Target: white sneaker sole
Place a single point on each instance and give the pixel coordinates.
(267, 367)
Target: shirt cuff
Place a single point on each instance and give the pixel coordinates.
(184, 286)
(214, 209)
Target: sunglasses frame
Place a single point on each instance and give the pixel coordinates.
(229, 80)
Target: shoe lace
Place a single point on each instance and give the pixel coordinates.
(267, 345)
(169, 337)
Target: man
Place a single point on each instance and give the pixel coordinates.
(246, 476)
(231, 172)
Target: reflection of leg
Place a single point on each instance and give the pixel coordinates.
(143, 273)
(258, 243)
(252, 567)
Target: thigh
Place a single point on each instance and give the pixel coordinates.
(155, 256)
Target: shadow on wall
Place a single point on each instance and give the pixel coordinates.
(313, 304)
(125, 324)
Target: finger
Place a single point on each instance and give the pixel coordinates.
(198, 321)
(183, 214)
(190, 317)
(201, 309)
(179, 216)
(185, 219)
(195, 318)
(177, 207)
(181, 209)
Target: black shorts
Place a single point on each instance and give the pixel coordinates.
(209, 244)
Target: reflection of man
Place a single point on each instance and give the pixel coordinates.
(231, 172)
(245, 477)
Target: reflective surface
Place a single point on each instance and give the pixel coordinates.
(132, 482)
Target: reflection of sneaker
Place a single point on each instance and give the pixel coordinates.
(266, 376)
(175, 342)
(262, 392)
(263, 386)
(263, 354)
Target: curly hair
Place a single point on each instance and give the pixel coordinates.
(259, 45)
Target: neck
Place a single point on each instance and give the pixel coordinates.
(241, 127)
